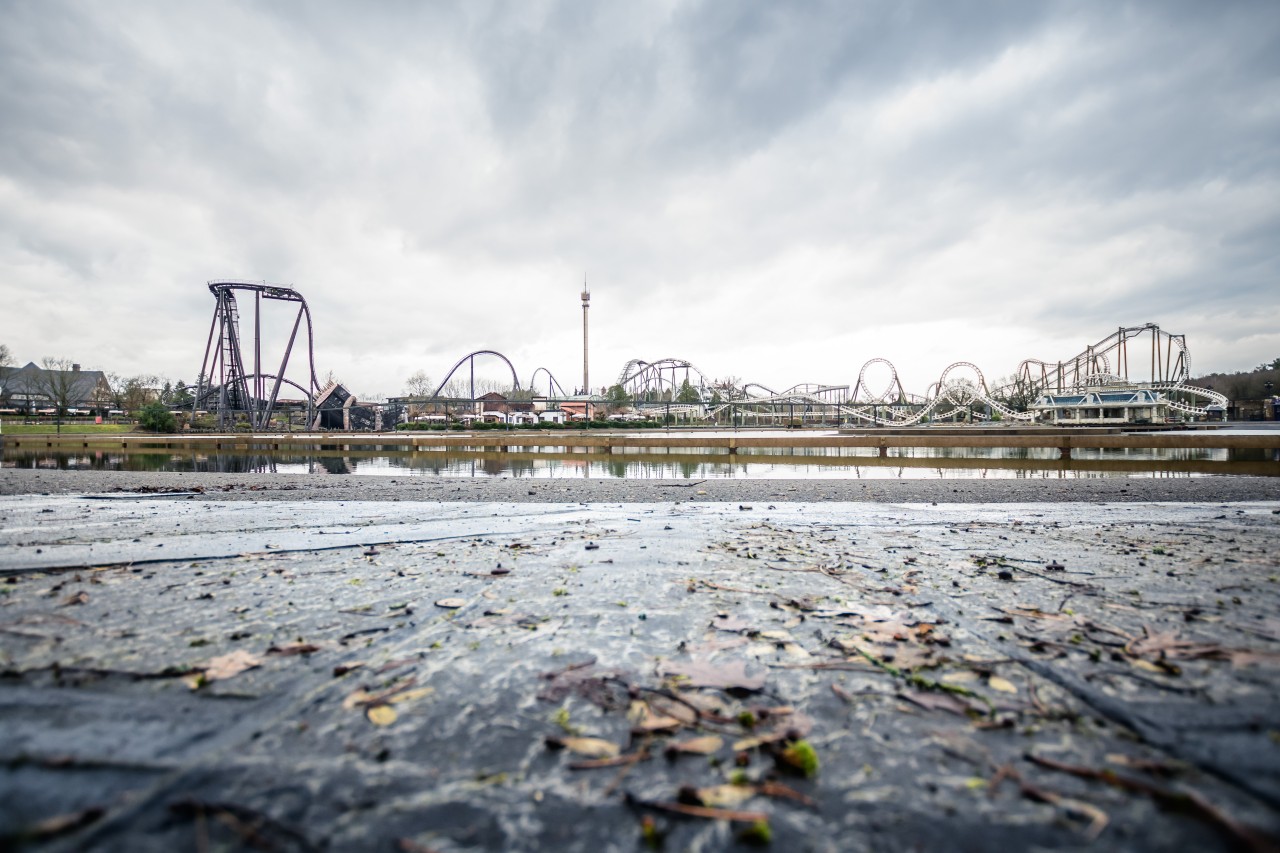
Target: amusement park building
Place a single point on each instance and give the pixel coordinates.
(1102, 407)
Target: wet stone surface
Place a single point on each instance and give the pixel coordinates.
(602, 677)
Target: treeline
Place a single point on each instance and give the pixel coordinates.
(1244, 385)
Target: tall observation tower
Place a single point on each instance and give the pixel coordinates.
(586, 304)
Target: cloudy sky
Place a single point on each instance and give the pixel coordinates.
(776, 192)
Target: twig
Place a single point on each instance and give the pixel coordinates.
(704, 812)
(1247, 836)
(927, 683)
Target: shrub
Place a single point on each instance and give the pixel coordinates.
(156, 417)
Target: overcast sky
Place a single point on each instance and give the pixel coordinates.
(776, 192)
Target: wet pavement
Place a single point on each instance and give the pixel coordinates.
(187, 673)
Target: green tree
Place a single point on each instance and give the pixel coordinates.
(181, 396)
(688, 394)
(156, 417)
(617, 398)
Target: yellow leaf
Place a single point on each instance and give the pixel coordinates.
(1001, 684)
(750, 743)
(591, 747)
(410, 695)
(725, 796)
(700, 745)
(381, 715)
(963, 676)
(360, 697)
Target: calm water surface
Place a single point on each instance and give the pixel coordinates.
(650, 463)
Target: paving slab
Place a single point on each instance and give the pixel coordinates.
(495, 675)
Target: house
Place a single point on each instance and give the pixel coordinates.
(578, 410)
(32, 388)
(1130, 406)
(493, 402)
(551, 416)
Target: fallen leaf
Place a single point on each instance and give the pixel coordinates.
(81, 597)
(381, 715)
(356, 699)
(591, 747)
(705, 745)
(231, 664)
(730, 675)
(289, 649)
(451, 603)
(725, 796)
(62, 824)
(995, 682)
(410, 695)
(948, 702)
(962, 676)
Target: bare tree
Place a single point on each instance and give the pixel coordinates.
(135, 392)
(57, 383)
(6, 359)
(419, 384)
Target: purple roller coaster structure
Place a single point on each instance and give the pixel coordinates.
(233, 381)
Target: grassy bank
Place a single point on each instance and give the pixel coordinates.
(9, 428)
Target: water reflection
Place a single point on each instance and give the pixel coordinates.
(658, 463)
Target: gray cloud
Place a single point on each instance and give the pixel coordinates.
(777, 192)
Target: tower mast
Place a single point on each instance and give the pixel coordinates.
(586, 304)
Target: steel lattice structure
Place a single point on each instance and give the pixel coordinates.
(1162, 364)
(234, 382)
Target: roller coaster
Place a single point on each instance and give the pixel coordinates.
(1132, 358)
(234, 380)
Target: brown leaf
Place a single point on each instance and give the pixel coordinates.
(725, 796)
(228, 665)
(62, 824)
(704, 745)
(948, 702)
(591, 747)
(289, 649)
(618, 761)
(80, 597)
(781, 791)
(731, 623)
(703, 811)
(730, 675)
